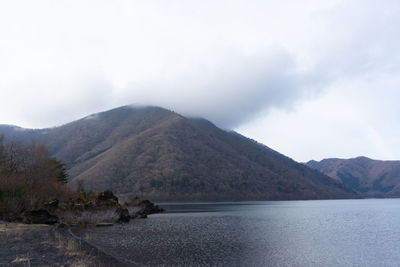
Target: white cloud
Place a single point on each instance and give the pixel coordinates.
(350, 119)
(188, 55)
(331, 66)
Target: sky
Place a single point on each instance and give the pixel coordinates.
(311, 79)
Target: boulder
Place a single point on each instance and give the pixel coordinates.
(123, 214)
(140, 215)
(9, 216)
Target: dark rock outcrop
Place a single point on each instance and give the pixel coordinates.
(40, 216)
(84, 208)
(147, 208)
(123, 214)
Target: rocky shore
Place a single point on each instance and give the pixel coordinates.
(87, 209)
(43, 237)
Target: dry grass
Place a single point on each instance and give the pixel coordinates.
(33, 241)
(15, 231)
(23, 259)
(73, 247)
(86, 218)
(87, 237)
(69, 244)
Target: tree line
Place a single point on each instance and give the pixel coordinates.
(29, 176)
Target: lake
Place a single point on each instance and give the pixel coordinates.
(274, 233)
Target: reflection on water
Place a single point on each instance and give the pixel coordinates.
(278, 233)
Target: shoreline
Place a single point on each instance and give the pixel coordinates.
(101, 252)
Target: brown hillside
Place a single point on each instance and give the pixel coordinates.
(155, 153)
(371, 178)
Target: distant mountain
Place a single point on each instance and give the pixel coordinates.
(155, 153)
(370, 178)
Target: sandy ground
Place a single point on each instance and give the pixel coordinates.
(43, 245)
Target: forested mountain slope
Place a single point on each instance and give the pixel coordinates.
(155, 153)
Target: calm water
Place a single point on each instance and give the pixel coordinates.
(278, 233)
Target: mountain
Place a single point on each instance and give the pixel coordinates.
(155, 153)
(370, 178)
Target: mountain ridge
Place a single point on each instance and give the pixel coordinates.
(156, 153)
(369, 177)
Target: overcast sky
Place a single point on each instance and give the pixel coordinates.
(310, 78)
